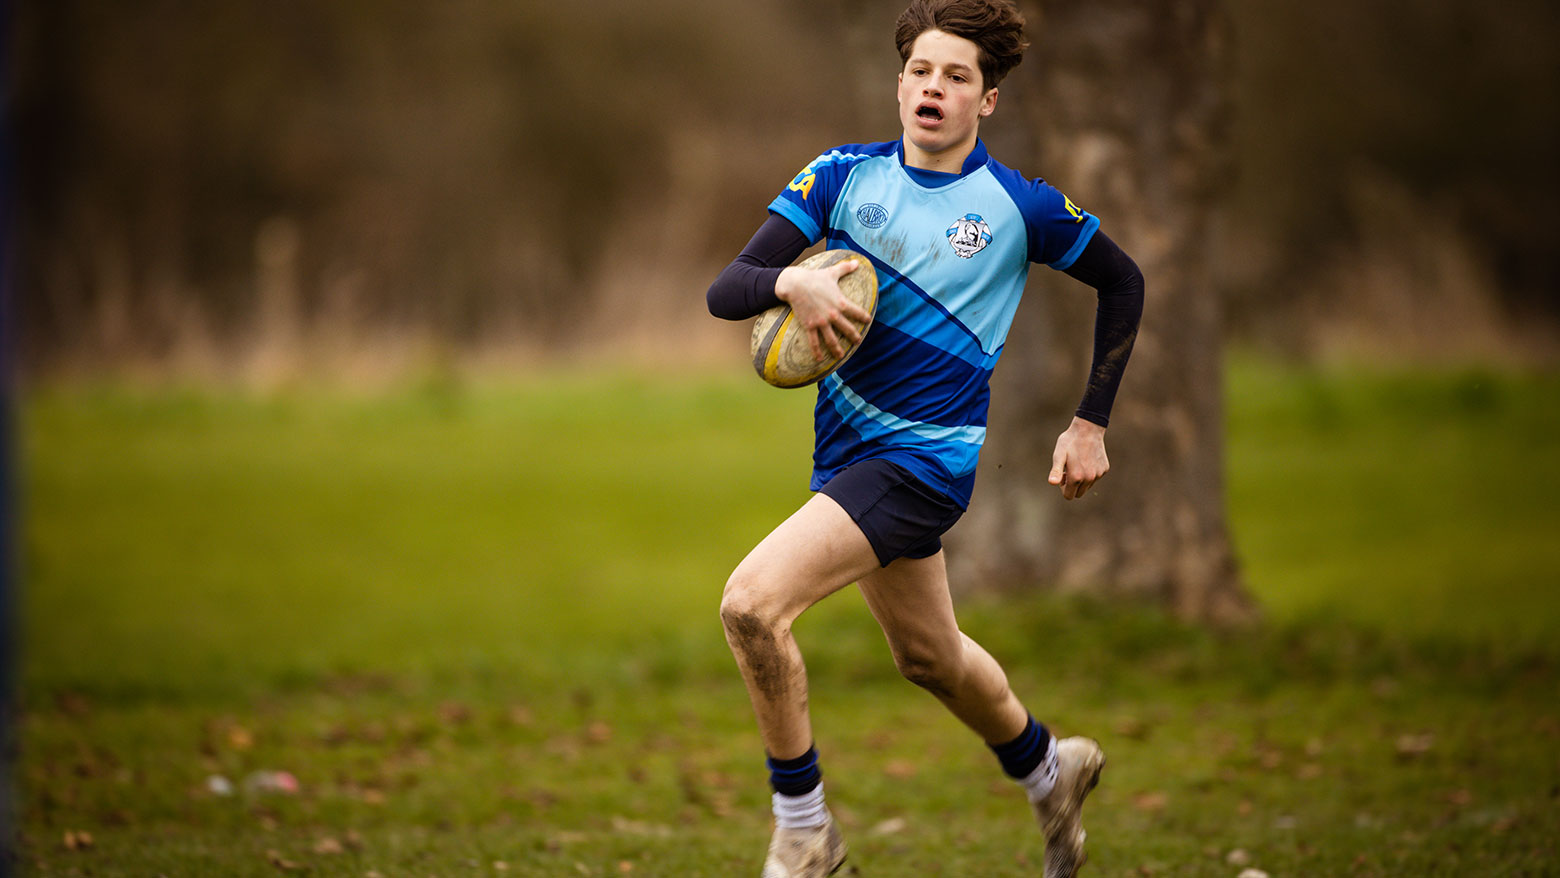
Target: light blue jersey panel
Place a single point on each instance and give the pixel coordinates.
(962, 245)
(952, 254)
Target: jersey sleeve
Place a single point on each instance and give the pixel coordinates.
(809, 198)
(1058, 229)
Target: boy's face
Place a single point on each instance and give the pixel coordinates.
(941, 98)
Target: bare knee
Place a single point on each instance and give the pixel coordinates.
(744, 624)
(938, 671)
(758, 636)
(744, 614)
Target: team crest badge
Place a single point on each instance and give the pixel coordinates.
(969, 235)
(872, 215)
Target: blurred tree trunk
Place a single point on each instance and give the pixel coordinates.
(1123, 105)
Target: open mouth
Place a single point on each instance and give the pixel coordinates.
(929, 112)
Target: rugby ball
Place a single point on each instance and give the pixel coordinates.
(781, 353)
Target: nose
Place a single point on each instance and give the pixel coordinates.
(933, 87)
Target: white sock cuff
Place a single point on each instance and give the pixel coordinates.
(1042, 780)
(800, 812)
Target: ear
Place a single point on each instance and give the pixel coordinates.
(988, 102)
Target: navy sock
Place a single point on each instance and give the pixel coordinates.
(1022, 755)
(795, 777)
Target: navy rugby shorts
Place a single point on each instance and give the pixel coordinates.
(901, 516)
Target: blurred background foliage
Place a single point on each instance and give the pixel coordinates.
(1395, 176)
(269, 188)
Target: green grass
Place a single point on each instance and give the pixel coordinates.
(1424, 504)
(477, 622)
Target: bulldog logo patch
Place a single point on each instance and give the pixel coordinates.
(969, 235)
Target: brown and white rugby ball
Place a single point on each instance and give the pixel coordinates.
(781, 353)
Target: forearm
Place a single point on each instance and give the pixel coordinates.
(1119, 285)
(746, 287)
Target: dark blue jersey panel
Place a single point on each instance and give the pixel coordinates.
(920, 382)
(1058, 229)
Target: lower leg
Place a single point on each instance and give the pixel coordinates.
(976, 691)
(776, 680)
(911, 601)
(812, 554)
(982, 700)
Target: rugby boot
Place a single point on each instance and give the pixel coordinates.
(805, 853)
(1079, 761)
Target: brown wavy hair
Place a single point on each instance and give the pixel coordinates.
(996, 27)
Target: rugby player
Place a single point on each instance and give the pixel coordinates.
(898, 427)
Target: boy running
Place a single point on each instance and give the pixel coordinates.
(898, 428)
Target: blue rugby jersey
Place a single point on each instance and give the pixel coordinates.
(952, 253)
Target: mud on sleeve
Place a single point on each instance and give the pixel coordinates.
(1119, 284)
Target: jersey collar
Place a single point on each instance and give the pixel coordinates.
(935, 179)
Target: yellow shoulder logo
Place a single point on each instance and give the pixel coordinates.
(1073, 209)
(803, 184)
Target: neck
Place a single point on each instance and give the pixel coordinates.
(949, 161)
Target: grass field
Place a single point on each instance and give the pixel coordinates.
(476, 622)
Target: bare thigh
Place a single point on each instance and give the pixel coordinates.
(911, 601)
(809, 556)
